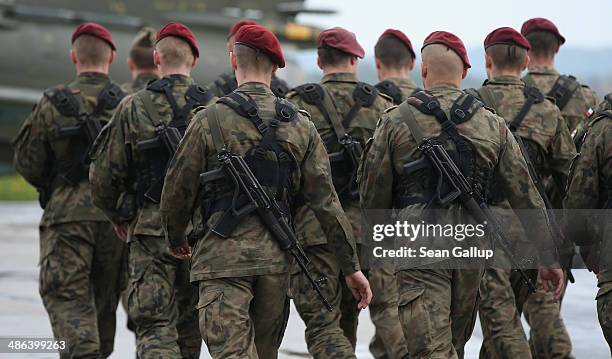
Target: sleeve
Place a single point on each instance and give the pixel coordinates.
(182, 183)
(109, 170)
(513, 175)
(376, 171)
(33, 155)
(561, 151)
(320, 195)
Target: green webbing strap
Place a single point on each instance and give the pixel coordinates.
(215, 128)
(488, 97)
(414, 127)
(151, 109)
(334, 116)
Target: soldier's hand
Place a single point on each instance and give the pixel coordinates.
(360, 287)
(553, 278)
(181, 252)
(121, 230)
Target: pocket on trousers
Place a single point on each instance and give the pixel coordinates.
(210, 314)
(414, 317)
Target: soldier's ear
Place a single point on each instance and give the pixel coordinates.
(131, 64)
(73, 57)
(411, 66)
(156, 57)
(319, 63)
(377, 62)
(488, 62)
(423, 70)
(112, 57)
(525, 63)
(233, 61)
(464, 74)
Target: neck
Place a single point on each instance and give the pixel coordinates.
(242, 78)
(141, 72)
(175, 71)
(428, 82)
(328, 70)
(493, 73)
(542, 62)
(386, 73)
(99, 69)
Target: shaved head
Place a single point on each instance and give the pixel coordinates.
(442, 62)
(91, 51)
(174, 52)
(248, 59)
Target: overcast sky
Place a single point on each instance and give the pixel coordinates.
(582, 22)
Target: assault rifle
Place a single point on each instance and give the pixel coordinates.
(450, 176)
(351, 151)
(251, 197)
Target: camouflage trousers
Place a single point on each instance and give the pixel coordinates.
(548, 337)
(388, 340)
(437, 310)
(161, 301)
(80, 282)
(604, 311)
(500, 319)
(328, 334)
(244, 317)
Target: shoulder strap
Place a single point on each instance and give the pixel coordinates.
(279, 87)
(212, 115)
(563, 90)
(532, 96)
(151, 109)
(64, 101)
(109, 98)
(414, 127)
(364, 95)
(390, 89)
(488, 97)
(316, 94)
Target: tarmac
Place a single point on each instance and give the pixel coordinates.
(22, 313)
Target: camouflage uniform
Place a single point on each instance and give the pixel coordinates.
(544, 127)
(327, 332)
(161, 300)
(589, 189)
(139, 83)
(243, 279)
(406, 86)
(437, 307)
(548, 335)
(226, 83)
(80, 256)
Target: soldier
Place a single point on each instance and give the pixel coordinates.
(548, 334)
(226, 82)
(589, 188)
(127, 176)
(344, 112)
(243, 279)
(140, 62)
(542, 128)
(80, 256)
(437, 304)
(395, 60)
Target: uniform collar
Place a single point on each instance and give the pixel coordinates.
(444, 87)
(255, 88)
(146, 77)
(505, 80)
(92, 77)
(543, 70)
(340, 77)
(179, 80)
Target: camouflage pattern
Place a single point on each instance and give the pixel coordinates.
(161, 301)
(308, 228)
(80, 257)
(588, 189)
(407, 86)
(140, 82)
(254, 333)
(577, 107)
(114, 160)
(392, 147)
(226, 83)
(503, 334)
(545, 126)
(250, 251)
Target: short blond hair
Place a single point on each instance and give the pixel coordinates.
(174, 52)
(441, 61)
(249, 59)
(91, 51)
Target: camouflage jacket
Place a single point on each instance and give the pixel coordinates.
(116, 158)
(139, 83)
(226, 83)
(407, 86)
(250, 250)
(39, 148)
(497, 152)
(361, 128)
(543, 125)
(590, 188)
(578, 106)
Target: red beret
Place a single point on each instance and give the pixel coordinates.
(402, 37)
(341, 39)
(508, 36)
(93, 29)
(238, 25)
(260, 38)
(450, 40)
(541, 24)
(181, 31)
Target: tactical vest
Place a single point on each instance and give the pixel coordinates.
(536, 153)
(421, 184)
(344, 164)
(392, 90)
(158, 150)
(228, 84)
(74, 169)
(270, 163)
(562, 91)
